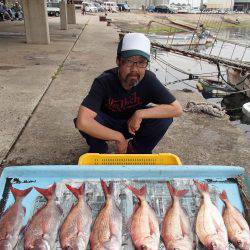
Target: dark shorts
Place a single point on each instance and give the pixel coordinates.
(144, 141)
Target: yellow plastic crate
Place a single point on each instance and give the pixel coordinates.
(129, 159)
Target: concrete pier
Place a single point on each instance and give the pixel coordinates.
(36, 21)
(63, 15)
(71, 13)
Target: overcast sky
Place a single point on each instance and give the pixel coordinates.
(192, 2)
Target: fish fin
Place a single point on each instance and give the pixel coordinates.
(175, 192)
(203, 187)
(47, 193)
(217, 226)
(27, 226)
(151, 227)
(139, 193)
(20, 193)
(223, 209)
(79, 228)
(136, 207)
(184, 228)
(130, 218)
(107, 189)
(77, 192)
(242, 223)
(223, 196)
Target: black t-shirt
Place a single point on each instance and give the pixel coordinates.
(108, 96)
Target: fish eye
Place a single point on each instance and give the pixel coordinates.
(239, 243)
(68, 248)
(213, 244)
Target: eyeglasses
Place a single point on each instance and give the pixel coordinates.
(140, 64)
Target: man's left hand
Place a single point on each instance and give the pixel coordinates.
(134, 123)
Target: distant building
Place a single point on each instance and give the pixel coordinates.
(132, 4)
(242, 5)
(219, 4)
(180, 7)
(159, 2)
(147, 3)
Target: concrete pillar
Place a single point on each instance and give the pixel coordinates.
(71, 13)
(63, 15)
(36, 21)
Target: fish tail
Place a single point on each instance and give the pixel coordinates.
(175, 192)
(107, 189)
(140, 193)
(77, 192)
(203, 187)
(223, 196)
(47, 193)
(20, 193)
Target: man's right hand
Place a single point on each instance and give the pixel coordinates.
(121, 145)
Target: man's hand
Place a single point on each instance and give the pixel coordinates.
(134, 123)
(121, 145)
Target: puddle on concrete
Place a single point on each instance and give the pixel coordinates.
(9, 34)
(7, 67)
(162, 62)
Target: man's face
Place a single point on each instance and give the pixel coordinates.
(131, 70)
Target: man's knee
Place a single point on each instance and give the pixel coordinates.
(158, 125)
(165, 123)
(95, 145)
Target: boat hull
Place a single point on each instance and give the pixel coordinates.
(239, 81)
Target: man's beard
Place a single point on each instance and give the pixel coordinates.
(132, 80)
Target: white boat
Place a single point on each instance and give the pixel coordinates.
(180, 40)
(246, 109)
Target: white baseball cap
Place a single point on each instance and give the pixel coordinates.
(134, 44)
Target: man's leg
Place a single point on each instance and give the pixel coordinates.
(149, 134)
(98, 145)
(95, 145)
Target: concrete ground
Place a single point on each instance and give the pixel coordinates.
(42, 86)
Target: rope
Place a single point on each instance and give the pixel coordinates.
(178, 80)
(172, 66)
(196, 76)
(240, 91)
(239, 108)
(205, 107)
